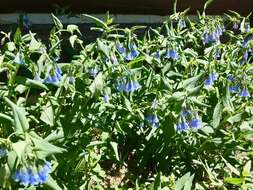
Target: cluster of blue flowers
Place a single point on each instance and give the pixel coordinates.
(211, 79)
(71, 79)
(190, 123)
(237, 89)
(93, 72)
(55, 78)
(182, 24)
(129, 86)
(153, 120)
(106, 98)
(193, 123)
(212, 36)
(172, 54)
(128, 53)
(3, 152)
(26, 22)
(18, 59)
(28, 176)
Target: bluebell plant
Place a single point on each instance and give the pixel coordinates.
(93, 72)
(106, 98)
(31, 176)
(128, 53)
(195, 123)
(211, 79)
(152, 120)
(27, 22)
(211, 36)
(127, 85)
(244, 93)
(234, 89)
(3, 152)
(182, 24)
(172, 54)
(55, 78)
(182, 126)
(188, 121)
(71, 79)
(18, 59)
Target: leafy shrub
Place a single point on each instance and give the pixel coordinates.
(168, 110)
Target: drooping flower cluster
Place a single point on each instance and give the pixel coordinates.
(244, 26)
(127, 86)
(55, 78)
(188, 121)
(28, 176)
(244, 93)
(18, 59)
(26, 22)
(172, 54)
(106, 98)
(211, 79)
(3, 152)
(212, 36)
(235, 88)
(71, 79)
(128, 53)
(153, 120)
(182, 24)
(192, 124)
(93, 72)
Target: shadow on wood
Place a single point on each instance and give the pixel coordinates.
(157, 7)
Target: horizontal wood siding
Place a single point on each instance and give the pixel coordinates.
(158, 7)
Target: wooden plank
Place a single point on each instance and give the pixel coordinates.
(158, 7)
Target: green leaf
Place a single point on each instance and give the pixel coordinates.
(43, 148)
(19, 147)
(47, 114)
(95, 143)
(20, 89)
(231, 168)
(72, 28)
(188, 184)
(97, 21)
(17, 36)
(235, 118)
(217, 114)
(157, 183)
(103, 48)
(127, 104)
(55, 135)
(180, 183)
(234, 181)
(34, 44)
(4, 118)
(19, 114)
(52, 184)
(35, 84)
(12, 160)
(97, 84)
(115, 149)
(11, 46)
(57, 22)
(4, 177)
(72, 40)
(246, 169)
(190, 83)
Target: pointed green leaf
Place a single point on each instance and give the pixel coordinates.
(47, 114)
(217, 114)
(19, 114)
(115, 149)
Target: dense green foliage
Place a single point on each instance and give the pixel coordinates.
(168, 110)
